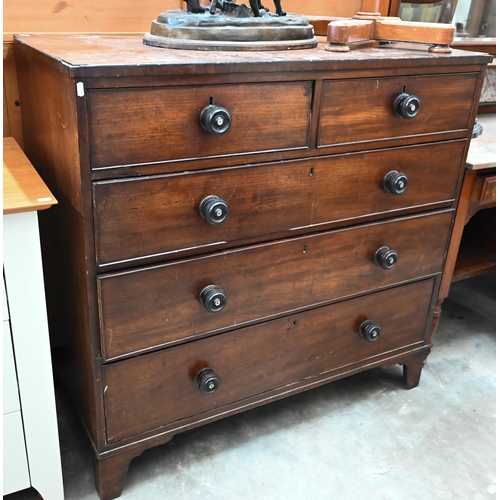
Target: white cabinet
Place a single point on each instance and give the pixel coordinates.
(31, 455)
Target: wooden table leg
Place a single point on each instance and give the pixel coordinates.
(456, 238)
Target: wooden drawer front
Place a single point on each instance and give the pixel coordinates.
(488, 190)
(154, 306)
(153, 125)
(363, 110)
(149, 391)
(159, 216)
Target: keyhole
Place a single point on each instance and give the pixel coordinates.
(311, 172)
(211, 100)
(404, 89)
(304, 249)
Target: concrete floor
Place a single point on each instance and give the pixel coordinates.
(360, 438)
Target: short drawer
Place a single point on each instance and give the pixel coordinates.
(153, 306)
(143, 125)
(151, 391)
(159, 217)
(485, 190)
(363, 110)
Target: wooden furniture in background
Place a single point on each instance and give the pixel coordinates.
(472, 249)
(31, 445)
(194, 274)
(369, 25)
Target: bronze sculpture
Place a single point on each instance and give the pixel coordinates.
(226, 25)
(194, 7)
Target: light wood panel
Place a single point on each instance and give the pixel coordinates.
(12, 107)
(23, 189)
(29, 16)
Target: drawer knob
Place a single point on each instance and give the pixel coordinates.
(215, 120)
(386, 258)
(406, 106)
(208, 381)
(213, 298)
(214, 210)
(395, 182)
(369, 330)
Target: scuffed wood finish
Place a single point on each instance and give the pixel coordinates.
(163, 211)
(155, 390)
(138, 126)
(262, 281)
(119, 56)
(110, 471)
(49, 104)
(445, 105)
(23, 189)
(126, 253)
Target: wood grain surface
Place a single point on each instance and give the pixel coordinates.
(158, 217)
(148, 125)
(23, 189)
(156, 306)
(363, 110)
(151, 391)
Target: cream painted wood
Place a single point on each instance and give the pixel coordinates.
(15, 464)
(10, 390)
(5, 306)
(28, 320)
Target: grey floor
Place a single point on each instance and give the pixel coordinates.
(365, 437)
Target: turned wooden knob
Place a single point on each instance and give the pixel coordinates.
(369, 330)
(208, 381)
(214, 210)
(386, 258)
(213, 298)
(406, 106)
(395, 182)
(215, 120)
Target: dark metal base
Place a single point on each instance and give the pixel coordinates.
(177, 29)
(477, 130)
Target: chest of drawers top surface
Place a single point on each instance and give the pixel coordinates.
(119, 56)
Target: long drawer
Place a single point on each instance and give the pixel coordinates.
(153, 306)
(363, 110)
(144, 125)
(156, 389)
(158, 217)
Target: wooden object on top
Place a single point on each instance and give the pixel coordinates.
(23, 189)
(368, 25)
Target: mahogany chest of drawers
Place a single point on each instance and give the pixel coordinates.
(235, 228)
